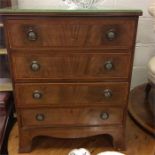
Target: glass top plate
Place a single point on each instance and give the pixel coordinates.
(62, 6)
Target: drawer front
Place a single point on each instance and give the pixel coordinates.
(83, 66)
(71, 117)
(71, 94)
(81, 32)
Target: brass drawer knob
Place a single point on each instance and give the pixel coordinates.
(108, 65)
(107, 93)
(32, 35)
(35, 66)
(40, 117)
(104, 115)
(111, 34)
(37, 94)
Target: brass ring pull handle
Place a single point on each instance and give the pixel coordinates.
(111, 34)
(32, 35)
(104, 115)
(107, 93)
(108, 65)
(40, 117)
(37, 94)
(35, 66)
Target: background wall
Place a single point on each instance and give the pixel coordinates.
(145, 46)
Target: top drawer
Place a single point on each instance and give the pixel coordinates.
(71, 32)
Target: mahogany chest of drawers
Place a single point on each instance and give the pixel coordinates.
(71, 72)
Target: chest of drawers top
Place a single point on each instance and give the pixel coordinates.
(72, 32)
(85, 29)
(71, 45)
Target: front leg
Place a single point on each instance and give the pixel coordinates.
(25, 142)
(119, 140)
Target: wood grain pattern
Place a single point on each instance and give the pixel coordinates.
(71, 94)
(71, 49)
(77, 66)
(71, 117)
(26, 136)
(71, 32)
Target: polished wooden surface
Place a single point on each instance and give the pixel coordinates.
(62, 32)
(138, 143)
(64, 117)
(78, 66)
(140, 110)
(74, 63)
(71, 94)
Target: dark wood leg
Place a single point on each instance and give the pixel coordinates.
(25, 142)
(119, 141)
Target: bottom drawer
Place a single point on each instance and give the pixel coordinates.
(71, 116)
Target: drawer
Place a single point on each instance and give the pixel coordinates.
(63, 32)
(72, 66)
(71, 94)
(71, 117)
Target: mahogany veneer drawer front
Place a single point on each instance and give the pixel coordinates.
(81, 32)
(60, 66)
(71, 72)
(71, 94)
(71, 117)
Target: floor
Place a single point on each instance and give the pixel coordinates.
(138, 143)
